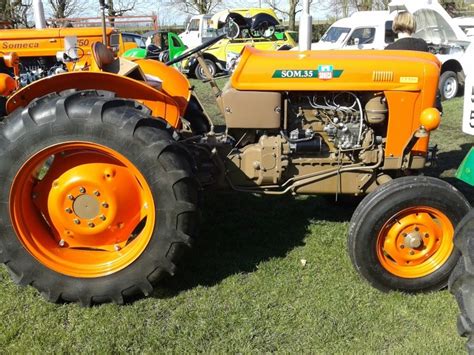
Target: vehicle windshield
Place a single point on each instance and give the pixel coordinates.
(335, 34)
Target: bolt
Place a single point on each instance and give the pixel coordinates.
(427, 235)
(117, 247)
(97, 193)
(71, 197)
(62, 243)
(91, 225)
(76, 221)
(68, 210)
(102, 218)
(34, 196)
(412, 252)
(417, 229)
(404, 234)
(82, 190)
(105, 205)
(402, 246)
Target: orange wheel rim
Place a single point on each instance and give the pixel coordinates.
(82, 209)
(415, 242)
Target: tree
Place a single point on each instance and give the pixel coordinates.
(294, 7)
(116, 8)
(343, 8)
(15, 12)
(197, 6)
(64, 8)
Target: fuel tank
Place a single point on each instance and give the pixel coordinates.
(336, 70)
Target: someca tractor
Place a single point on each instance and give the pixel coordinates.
(102, 168)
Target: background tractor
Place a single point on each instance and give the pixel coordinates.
(461, 283)
(103, 166)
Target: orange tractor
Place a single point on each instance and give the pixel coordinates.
(102, 168)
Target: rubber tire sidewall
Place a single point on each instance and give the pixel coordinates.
(378, 207)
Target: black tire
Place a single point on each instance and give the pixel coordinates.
(380, 211)
(125, 127)
(461, 282)
(448, 85)
(199, 72)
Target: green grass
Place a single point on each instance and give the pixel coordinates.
(245, 290)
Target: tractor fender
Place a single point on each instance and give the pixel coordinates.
(160, 103)
(174, 84)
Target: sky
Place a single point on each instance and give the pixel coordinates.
(168, 14)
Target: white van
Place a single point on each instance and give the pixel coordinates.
(373, 30)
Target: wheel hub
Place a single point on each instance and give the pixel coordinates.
(413, 240)
(86, 207)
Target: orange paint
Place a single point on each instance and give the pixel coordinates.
(78, 219)
(175, 84)
(161, 104)
(432, 233)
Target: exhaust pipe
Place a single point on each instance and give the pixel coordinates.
(38, 13)
(306, 28)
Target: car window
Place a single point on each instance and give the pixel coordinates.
(194, 25)
(335, 34)
(176, 42)
(365, 35)
(390, 36)
(140, 41)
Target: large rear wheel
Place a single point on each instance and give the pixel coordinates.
(101, 200)
(401, 235)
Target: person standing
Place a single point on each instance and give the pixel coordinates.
(405, 26)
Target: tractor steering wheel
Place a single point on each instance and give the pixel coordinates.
(197, 49)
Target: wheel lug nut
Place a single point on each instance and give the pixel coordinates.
(68, 210)
(71, 197)
(404, 234)
(76, 221)
(96, 193)
(412, 252)
(82, 190)
(102, 218)
(417, 229)
(402, 246)
(91, 225)
(105, 205)
(427, 235)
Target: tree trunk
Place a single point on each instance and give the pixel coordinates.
(292, 15)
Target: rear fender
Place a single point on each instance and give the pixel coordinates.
(161, 104)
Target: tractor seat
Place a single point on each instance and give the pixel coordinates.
(103, 56)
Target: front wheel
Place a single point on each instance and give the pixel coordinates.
(448, 85)
(98, 201)
(401, 235)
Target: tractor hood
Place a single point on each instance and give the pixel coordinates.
(371, 70)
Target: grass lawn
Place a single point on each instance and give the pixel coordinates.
(245, 289)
